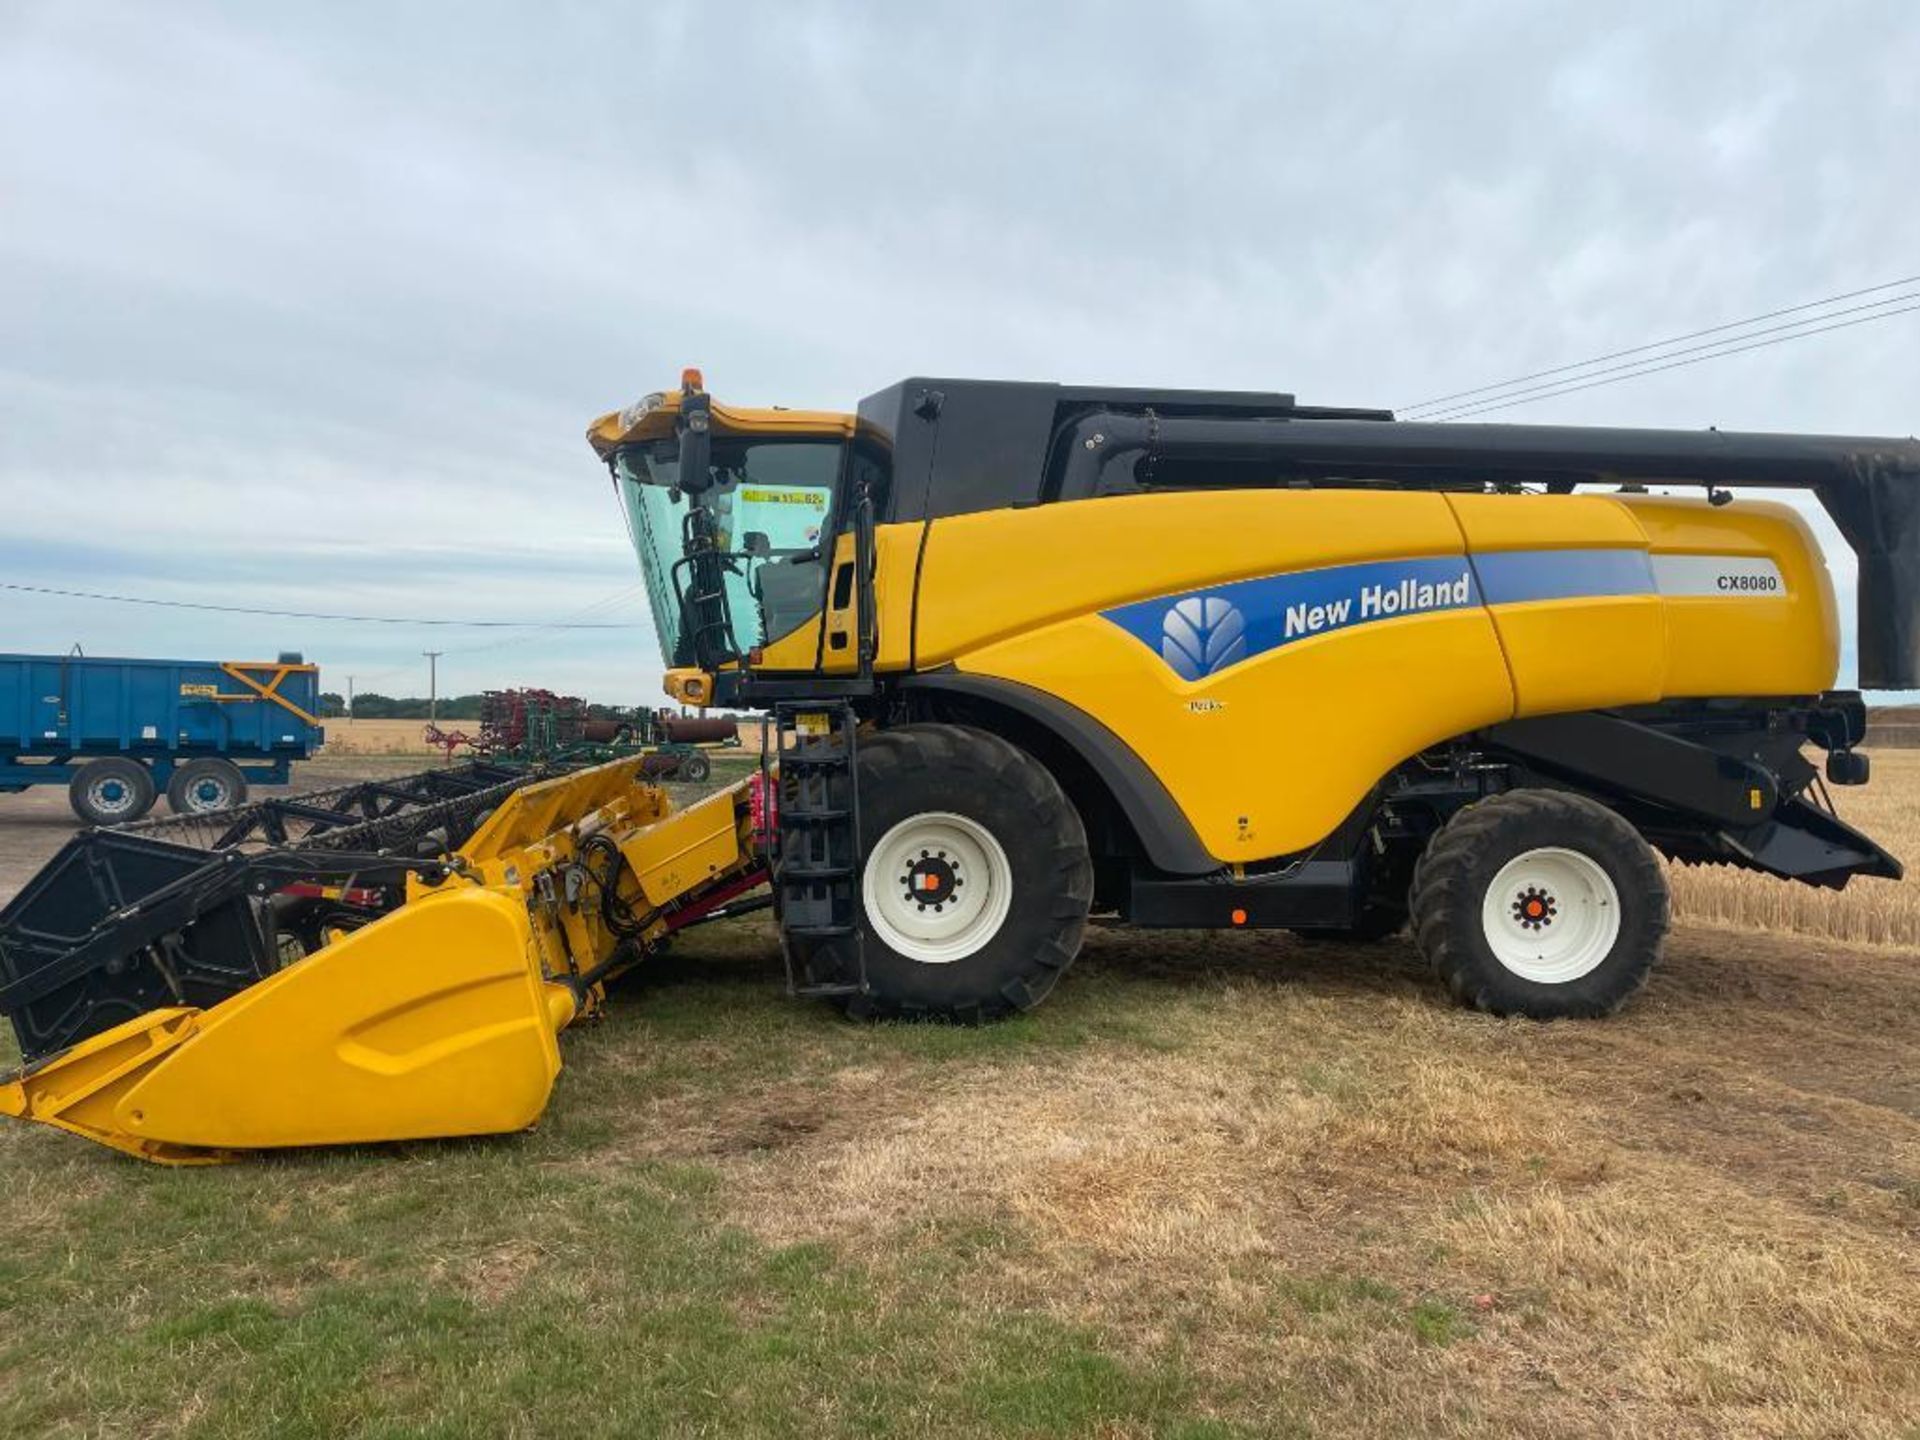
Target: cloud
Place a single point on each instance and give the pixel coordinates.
(318, 300)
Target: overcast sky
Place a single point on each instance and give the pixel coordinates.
(308, 307)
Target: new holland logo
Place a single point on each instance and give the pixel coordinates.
(1201, 635)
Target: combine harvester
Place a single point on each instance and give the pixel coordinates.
(1029, 653)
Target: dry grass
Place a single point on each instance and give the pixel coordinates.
(1355, 1210)
(1869, 912)
(385, 737)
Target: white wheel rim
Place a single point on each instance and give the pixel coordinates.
(937, 887)
(111, 796)
(1551, 915)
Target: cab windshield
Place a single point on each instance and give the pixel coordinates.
(771, 502)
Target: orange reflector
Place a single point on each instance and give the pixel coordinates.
(1239, 917)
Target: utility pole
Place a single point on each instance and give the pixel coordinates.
(433, 686)
(349, 699)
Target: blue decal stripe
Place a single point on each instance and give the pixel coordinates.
(1202, 632)
(1511, 577)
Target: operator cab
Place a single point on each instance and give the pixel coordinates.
(732, 513)
(770, 501)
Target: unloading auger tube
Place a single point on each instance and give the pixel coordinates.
(400, 968)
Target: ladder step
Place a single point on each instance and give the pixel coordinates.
(819, 822)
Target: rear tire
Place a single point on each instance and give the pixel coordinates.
(1540, 903)
(113, 791)
(694, 768)
(975, 878)
(205, 787)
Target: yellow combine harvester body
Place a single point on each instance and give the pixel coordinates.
(1029, 654)
(439, 1019)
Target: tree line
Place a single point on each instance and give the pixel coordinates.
(372, 705)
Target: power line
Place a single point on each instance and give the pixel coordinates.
(625, 593)
(1718, 347)
(537, 631)
(1653, 369)
(310, 614)
(1671, 340)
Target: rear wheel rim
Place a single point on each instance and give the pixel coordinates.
(111, 796)
(937, 887)
(1551, 915)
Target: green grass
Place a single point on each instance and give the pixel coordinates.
(549, 1283)
(372, 1311)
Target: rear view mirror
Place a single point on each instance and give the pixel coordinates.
(696, 446)
(757, 544)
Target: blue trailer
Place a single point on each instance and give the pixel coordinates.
(119, 733)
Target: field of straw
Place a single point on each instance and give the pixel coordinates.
(405, 737)
(1869, 912)
(385, 737)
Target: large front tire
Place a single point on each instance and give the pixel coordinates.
(1540, 903)
(975, 881)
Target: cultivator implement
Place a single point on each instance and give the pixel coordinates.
(386, 961)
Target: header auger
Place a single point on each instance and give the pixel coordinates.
(1028, 654)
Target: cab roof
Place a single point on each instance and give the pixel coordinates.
(653, 417)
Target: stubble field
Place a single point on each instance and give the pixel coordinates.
(1220, 1185)
(386, 737)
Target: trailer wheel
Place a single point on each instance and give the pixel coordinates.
(694, 768)
(1540, 903)
(976, 879)
(112, 791)
(202, 787)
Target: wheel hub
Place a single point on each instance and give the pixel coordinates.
(111, 796)
(1534, 908)
(933, 881)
